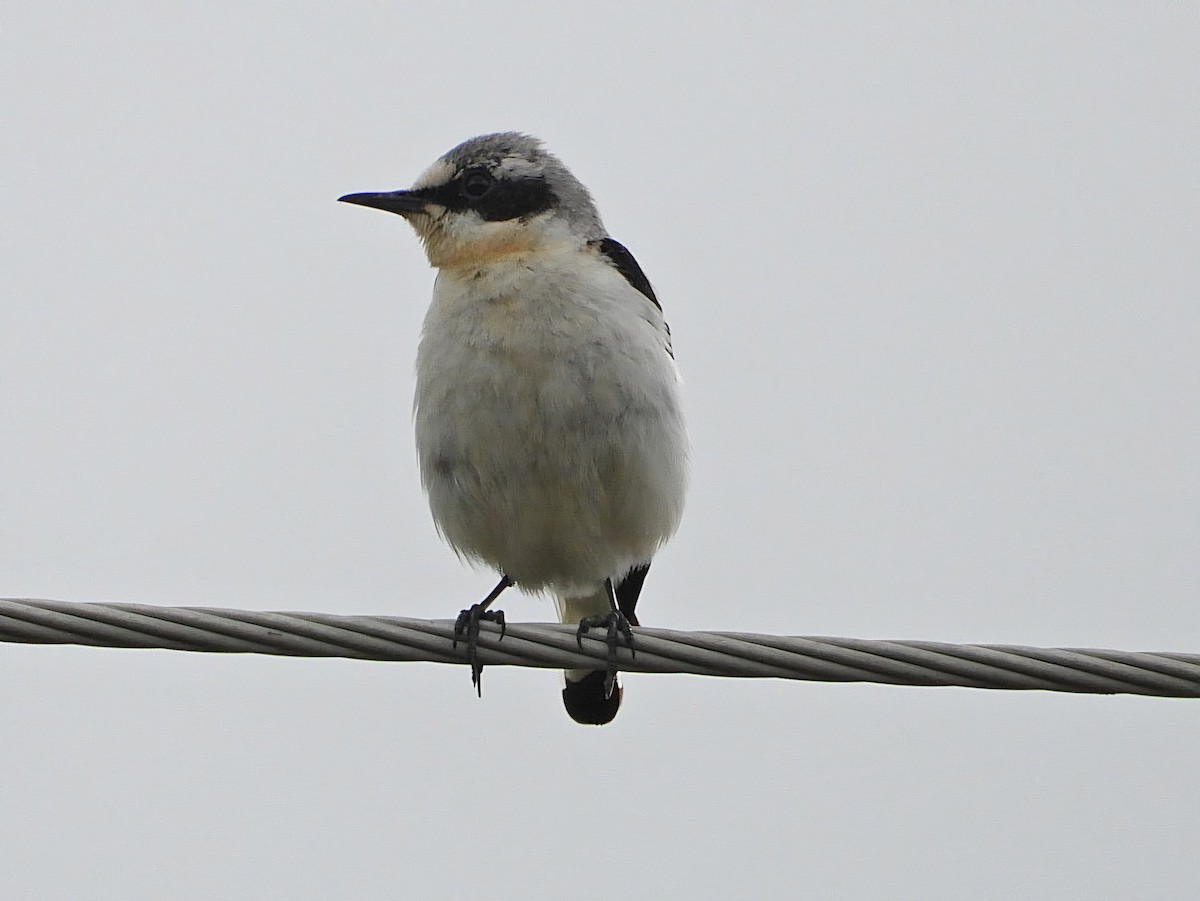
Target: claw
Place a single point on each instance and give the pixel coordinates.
(616, 626)
(466, 627)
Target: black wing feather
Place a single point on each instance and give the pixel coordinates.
(628, 589)
(625, 264)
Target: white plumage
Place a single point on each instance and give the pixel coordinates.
(548, 421)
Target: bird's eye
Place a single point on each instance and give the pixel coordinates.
(476, 183)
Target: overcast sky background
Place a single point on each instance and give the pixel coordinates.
(932, 275)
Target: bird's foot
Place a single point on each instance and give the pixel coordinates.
(616, 627)
(466, 628)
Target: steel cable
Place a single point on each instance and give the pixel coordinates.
(734, 654)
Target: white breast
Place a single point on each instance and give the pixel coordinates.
(548, 421)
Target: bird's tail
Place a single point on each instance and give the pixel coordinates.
(586, 699)
(586, 695)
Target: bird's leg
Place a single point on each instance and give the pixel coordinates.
(466, 627)
(616, 626)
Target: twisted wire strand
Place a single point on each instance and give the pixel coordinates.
(552, 645)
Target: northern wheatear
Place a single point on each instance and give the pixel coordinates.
(548, 419)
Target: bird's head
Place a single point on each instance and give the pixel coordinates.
(493, 197)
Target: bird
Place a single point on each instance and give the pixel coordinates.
(549, 425)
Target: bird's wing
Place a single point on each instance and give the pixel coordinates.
(628, 590)
(622, 260)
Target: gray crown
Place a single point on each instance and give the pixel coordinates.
(512, 154)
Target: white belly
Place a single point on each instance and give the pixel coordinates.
(549, 432)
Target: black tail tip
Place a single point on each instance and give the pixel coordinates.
(586, 703)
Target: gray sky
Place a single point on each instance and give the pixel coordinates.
(932, 276)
